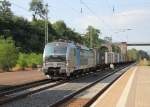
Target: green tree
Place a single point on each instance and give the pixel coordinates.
(64, 32)
(133, 54)
(73, 36)
(143, 55)
(8, 54)
(60, 28)
(29, 35)
(37, 7)
(5, 8)
(92, 37)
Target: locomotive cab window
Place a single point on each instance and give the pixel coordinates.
(55, 52)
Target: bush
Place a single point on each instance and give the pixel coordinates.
(8, 54)
(29, 60)
(22, 60)
(34, 60)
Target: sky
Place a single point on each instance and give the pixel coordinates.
(123, 20)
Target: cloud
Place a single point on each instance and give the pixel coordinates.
(131, 17)
(83, 22)
(123, 19)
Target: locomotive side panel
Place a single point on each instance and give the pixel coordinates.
(71, 60)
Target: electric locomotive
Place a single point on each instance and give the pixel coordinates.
(62, 59)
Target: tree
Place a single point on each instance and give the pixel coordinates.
(92, 37)
(143, 55)
(37, 7)
(64, 32)
(5, 8)
(60, 28)
(133, 54)
(29, 35)
(73, 36)
(8, 54)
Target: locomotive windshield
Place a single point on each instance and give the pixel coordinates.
(55, 52)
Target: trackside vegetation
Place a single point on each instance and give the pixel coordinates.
(8, 54)
(11, 57)
(29, 60)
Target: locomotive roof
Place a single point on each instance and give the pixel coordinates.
(70, 43)
(62, 43)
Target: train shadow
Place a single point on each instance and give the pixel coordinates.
(94, 77)
(89, 78)
(3, 87)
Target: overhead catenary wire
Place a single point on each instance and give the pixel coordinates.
(90, 10)
(73, 9)
(81, 11)
(98, 18)
(113, 9)
(20, 7)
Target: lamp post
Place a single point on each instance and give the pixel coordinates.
(46, 24)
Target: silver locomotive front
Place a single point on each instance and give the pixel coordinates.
(54, 59)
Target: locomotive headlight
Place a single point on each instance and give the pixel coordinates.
(67, 64)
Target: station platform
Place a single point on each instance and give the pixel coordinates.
(131, 90)
(8, 79)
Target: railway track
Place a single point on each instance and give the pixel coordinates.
(12, 89)
(21, 97)
(25, 90)
(73, 98)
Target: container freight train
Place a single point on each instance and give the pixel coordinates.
(64, 59)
